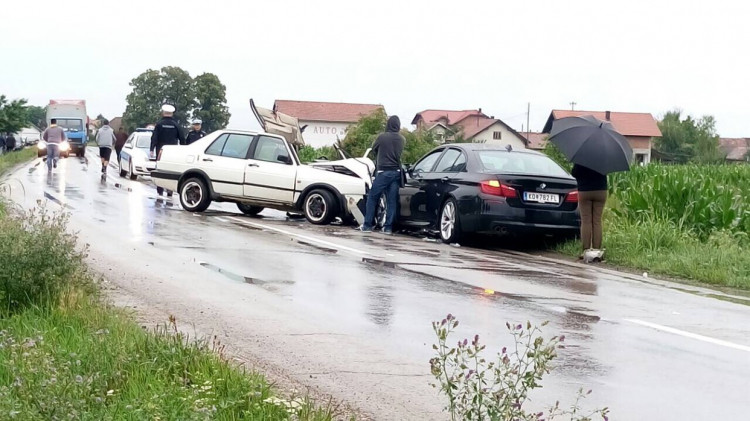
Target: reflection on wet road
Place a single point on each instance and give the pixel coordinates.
(649, 351)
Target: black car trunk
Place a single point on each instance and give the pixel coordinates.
(539, 192)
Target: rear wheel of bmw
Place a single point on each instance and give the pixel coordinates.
(194, 195)
(449, 223)
(320, 207)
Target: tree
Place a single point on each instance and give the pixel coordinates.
(552, 151)
(417, 144)
(100, 117)
(154, 88)
(361, 135)
(13, 115)
(211, 102)
(37, 116)
(689, 140)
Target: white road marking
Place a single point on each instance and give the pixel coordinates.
(304, 237)
(690, 335)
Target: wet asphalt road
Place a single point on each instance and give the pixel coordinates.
(349, 314)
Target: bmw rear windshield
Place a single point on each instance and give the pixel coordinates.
(520, 163)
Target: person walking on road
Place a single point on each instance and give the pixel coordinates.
(196, 132)
(106, 139)
(53, 135)
(121, 137)
(166, 132)
(592, 196)
(388, 146)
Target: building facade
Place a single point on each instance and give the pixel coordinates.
(325, 123)
(468, 126)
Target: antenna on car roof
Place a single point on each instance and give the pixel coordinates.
(508, 148)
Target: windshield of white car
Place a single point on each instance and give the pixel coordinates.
(70, 124)
(520, 163)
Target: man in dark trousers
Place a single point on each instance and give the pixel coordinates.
(10, 142)
(120, 138)
(166, 132)
(2, 143)
(388, 146)
(196, 133)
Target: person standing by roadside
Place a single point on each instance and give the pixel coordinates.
(10, 142)
(121, 137)
(592, 196)
(388, 146)
(166, 132)
(106, 139)
(53, 135)
(196, 132)
(2, 144)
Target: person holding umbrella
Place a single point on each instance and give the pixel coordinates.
(596, 149)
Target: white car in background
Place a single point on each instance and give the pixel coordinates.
(259, 170)
(135, 158)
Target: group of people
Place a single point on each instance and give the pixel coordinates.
(7, 143)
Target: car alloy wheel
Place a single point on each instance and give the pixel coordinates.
(319, 207)
(381, 212)
(192, 193)
(450, 229)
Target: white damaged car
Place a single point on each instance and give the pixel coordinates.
(259, 170)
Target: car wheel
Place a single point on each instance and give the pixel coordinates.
(381, 212)
(194, 195)
(133, 175)
(320, 207)
(123, 172)
(449, 223)
(249, 209)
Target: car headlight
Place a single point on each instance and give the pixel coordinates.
(65, 146)
(41, 145)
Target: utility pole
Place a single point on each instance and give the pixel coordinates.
(528, 118)
(573, 105)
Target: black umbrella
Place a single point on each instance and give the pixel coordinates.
(592, 143)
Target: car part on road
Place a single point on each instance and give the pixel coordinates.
(450, 226)
(320, 207)
(194, 195)
(249, 209)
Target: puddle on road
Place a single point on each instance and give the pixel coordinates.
(239, 278)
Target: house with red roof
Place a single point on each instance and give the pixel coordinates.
(470, 125)
(324, 123)
(737, 149)
(639, 128)
(535, 140)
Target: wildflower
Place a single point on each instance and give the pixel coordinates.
(110, 392)
(79, 379)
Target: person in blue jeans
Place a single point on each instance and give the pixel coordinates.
(388, 146)
(54, 135)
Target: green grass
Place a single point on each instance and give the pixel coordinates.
(687, 222)
(66, 355)
(9, 160)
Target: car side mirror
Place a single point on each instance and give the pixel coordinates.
(285, 159)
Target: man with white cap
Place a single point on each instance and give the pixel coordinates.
(196, 133)
(166, 132)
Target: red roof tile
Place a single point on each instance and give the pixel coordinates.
(452, 117)
(325, 111)
(737, 149)
(627, 124)
(536, 140)
(476, 126)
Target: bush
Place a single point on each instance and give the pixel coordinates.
(39, 260)
(498, 389)
(309, 154)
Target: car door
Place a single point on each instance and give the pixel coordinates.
(225, 161)
(271, 173)
(125, 154)
(413, 196)
(442, 180)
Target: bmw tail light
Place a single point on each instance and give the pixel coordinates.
(497, 188)
(572, 197)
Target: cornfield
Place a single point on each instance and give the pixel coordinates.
(702, 199)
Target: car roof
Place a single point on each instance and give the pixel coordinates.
(474, 147)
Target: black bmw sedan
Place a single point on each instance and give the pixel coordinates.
(466, 188)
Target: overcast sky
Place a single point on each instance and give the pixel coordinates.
(640, 56)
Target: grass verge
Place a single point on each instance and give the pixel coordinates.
(9, 160)
(64, 354)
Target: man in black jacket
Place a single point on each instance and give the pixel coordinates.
(166, 132)
(196, 133)
(388, 146)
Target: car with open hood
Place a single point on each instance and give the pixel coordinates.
(258, 170)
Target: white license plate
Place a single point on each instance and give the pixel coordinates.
(541, 197)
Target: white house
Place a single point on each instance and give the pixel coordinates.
(471, 125)
(324, 123)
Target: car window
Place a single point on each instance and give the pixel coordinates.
(217, 145)
(269, 149)
(520, 163)
(448, 161)
(426, 164)
(143, 142)
(237, 146)
(129, 142)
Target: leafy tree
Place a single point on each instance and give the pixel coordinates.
(211, 102)
(154, 88)
(37, 116)
(418, 143)
(13, 115)
(101, 117)
(309, 154)
(361, 135)
(552, 151)
(688, 139)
